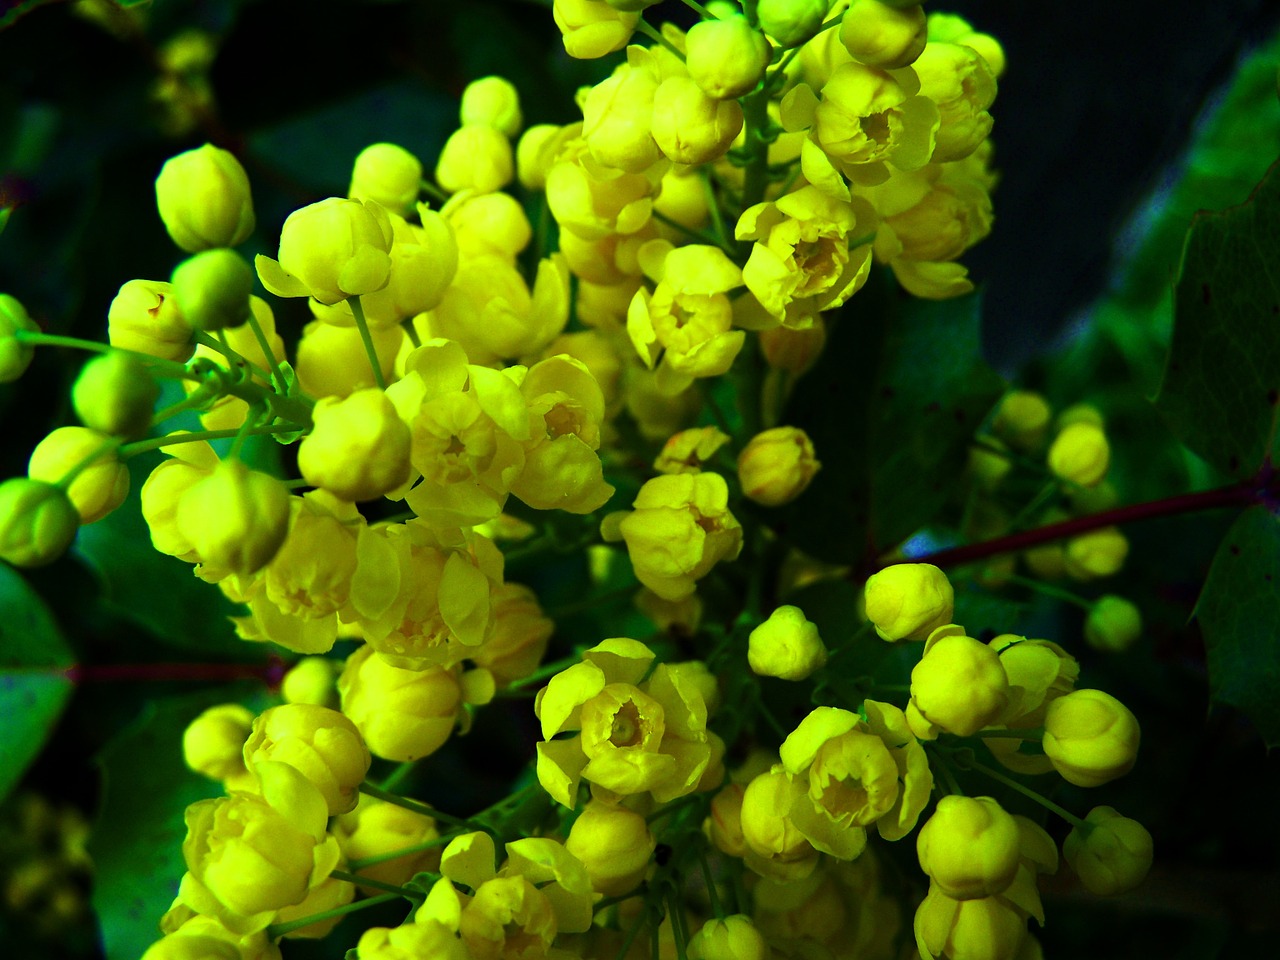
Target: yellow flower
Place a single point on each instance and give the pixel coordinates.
(957, 687)
(358, 448)
(493, 102)
(591, 29)
(614, 844)
(887, 35)
(689, 125)
(98, 488)
(321, 744)
(726, 58)
(1110, 854)
(1099, 553)
(485, 224)
(402, 715)
(969, 847)
(204, 199)
(235, 519)
(331, 250)
(733, 938)
(113, 394)
(915, 777)
(775, 846)
(617, 114)
(592, 200)
(387, 174)
(777, 465)
(521, 632)
(960, 82)
(144, 316)
(688, 450)
(786, 645)
(476, 157)
(908, 601)
(1090, 737)
(990, 927)
(869, 116)
(213, 744)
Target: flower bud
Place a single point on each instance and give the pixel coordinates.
(115, 394)
(614, 844)
(187, 464)
(213, 743)
(1022, 419)
(331, 250)
(883, 35)
(491, 102)
(204, 199)
(1090, 737)
(786, 646)
(311, 680)
(775, 846)
(403, 715)
(15, 356)
(794, 351)
(733, 938)
(617, 118)
(375, 828)
(144, 316)
(777, 465)
(212, 289)
(192, 946)
(321, 744)
(521, 632)
(1080, 454)
(236, 518)
(332, 361)
(691, 127)
(359, 447)
(957, 687)
(988, 928)
(478, 158)
(1111, 855)
(99, 487)
(1099, 553)
(969, 847)
(908, 601)
(1113, 624)
(37, 522)
(724, 825)
(387, 174)
(591, 29)
(325, 897)
(726, 58)
(792, 22)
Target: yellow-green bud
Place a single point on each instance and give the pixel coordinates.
(359, 447)
(1112, 854)
(777, 465)
(733, 938)
(726, 58)
(311, 680)
(1113, 624)
(1090, 737)
(204, 199)
(1080, 454)
(115, 394)
(1022, 419)
(144, 316)
(37, 522)
(321, 744)
(213, 743)
(15, 356)
(959, 686)
(403, 715)
(235, 518)
(191, 946)
(786, 646)
(908, 601)
(375, 828)
(614, 844)
(969, 847)
(478, 158)
(492, 102)
(97, 488)
(388, 174)
(792, 22)
(331, 250)
(212, 289)
(1099, 553)
(882, 34)
(691, 127)
(591, 29)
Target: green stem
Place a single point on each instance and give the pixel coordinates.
(712, 896)
(1049, 590)
(688, 231)
(171, 369)
(1027, 792)
(362, 325)
(672, 807)
(755, 113)
(278, 930)
(220, 344)
(607, 902)
(948, 775)
(251, 419)
(155, 443)
(717, 215)
(544, 672)
(657, 37)
(414, 805)
(277, 375)
(376, 884)
(432, 191)
(678, 930)
(441, 841)
(396, 777)
(699, 9)
(197, 397)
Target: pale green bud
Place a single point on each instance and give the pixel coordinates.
(786, 645)
(388, 174)
(204, 200)
(1113, 624)
(115, 395)
(212, 289)
(15, 356)
(726, 58)
(492, 102)
(37, 522)
(792, 22)
(1111, 854)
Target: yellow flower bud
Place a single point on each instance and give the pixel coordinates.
(311, 680)
(883, 35)
(359, 447)
(958, 686)
(724, 825)
(688, 450)
(1113, 624)
(38, 521)
(144, 316)
(236, 518)
(115, 394)
(387, 174)
(15, 357)
(212, 289)
(492, 102)
(775, 845)
(969, 847)
(990, 928)
(321, 744)
(591, 29)
(616, 119)
(428, 938)
(792, 22)
(331, 250)
(1022, 419)
(733, 938)
(960, 82)
(192, 946)
(535, 151)
(487, 224)
(786, 645)
(98, 488)
(1090, 737)
(1111, 854)
(476, 158)
(328, 895)
(689, 126)
(614, 844)
(1080, 454)
(1099, 553)
(521, 632)
(726, 58)
(777, 465)
(908, 601)
(204, 199)
(375, 828)
(188, 464)
(794, 351)
(332, 361)
(213, 743)
(402, 714)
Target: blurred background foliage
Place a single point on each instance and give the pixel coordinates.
(1115, 123)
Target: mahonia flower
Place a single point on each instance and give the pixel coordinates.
(1110, 854)
(387, 174)
(775, 846)
(115, 394)
(591, 29)
(726, 58)
(957, 78)
(908, 601)
(957, 687)
(688, 450)
(680, 529)
(786, 645)
(689, 125)
(358, 448)
(331, 250)
(777, 465)
(1113, 624)
(375, 828)
(144, 316)
(617, 114)
(592, 200)
(1090, 737)
(403, 715)
(915, 777)
(1080, 454)
(99, 487)
(1039, 672)
(887, 35)
(733, 937)
(521, 632)
(475, 157)
(213, 745)
(321, 744)
(614, 844)
(493, 102)
(631, 737)
(204, 199)
(969, 847)
(235, 519)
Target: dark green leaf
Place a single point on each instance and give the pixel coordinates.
(1221, 387)
(1239, 614)
(891, 408)
(34, 686)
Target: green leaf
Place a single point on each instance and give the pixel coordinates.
(1221, 389)
(34, 687)
(136, 844)
(1239, 614)
(891, 408)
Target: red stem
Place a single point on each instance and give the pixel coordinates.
(1240, 494)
